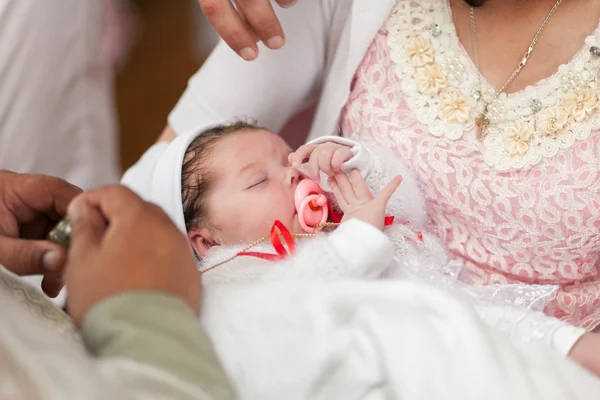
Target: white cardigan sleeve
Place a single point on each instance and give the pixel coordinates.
(354, 250)
(270, 89)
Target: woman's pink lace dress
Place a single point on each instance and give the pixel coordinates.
(523, 205)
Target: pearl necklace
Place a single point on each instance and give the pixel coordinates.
(483, 120)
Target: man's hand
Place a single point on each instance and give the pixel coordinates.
(121, 243)
(356, 201)
(245, 22)
(30, 205)
(327, 157)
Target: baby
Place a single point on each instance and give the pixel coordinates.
(227, 185)
(238, 180)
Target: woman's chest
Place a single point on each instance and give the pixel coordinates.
(531, 183)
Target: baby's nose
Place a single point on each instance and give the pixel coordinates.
(293, 176)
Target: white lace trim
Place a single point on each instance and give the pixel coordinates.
(441, 84)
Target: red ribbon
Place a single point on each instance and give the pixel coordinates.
(334, 215)
(282, 252)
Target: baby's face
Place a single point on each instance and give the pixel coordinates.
(254, 185)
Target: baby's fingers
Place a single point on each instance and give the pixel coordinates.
(340, 156)
(325, 162)
(386, 193)
(361, 189)
(346, 187)
(297, 158)
(337, 192)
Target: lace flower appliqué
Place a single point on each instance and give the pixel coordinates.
(420, 51)
(517, 138)
(455, 107)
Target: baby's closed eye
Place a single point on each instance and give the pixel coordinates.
(257, 182)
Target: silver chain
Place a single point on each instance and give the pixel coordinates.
(525, 57)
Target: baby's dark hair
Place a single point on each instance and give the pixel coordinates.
(196, 177)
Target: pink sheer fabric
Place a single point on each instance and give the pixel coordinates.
(538, 224)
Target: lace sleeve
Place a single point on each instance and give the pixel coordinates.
(531, 326)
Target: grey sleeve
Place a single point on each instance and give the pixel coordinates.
(159, 330)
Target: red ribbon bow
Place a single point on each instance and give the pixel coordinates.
(282, 252)
(288, 238)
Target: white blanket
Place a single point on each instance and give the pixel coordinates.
(376, 340)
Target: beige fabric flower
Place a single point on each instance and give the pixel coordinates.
(420, 51)
(516, 138)
(580, 105)
(553, 120)
(455, 107)
(430, 80)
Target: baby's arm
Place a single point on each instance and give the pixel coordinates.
(355, 249)
(378, 166)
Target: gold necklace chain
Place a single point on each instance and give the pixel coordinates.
(483, 120)
(317, 229)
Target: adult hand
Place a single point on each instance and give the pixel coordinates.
(30, 205)
(121, 243)
(243, 22)
(586, 352)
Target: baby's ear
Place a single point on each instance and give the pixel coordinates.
(202, 240)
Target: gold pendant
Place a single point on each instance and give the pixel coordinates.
(482, 122)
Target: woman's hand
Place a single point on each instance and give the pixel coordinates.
(30, 205)
(586, 352)
(327, 157)
(356, 200)
(243, 22)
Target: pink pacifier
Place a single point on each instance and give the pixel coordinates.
(311, 205)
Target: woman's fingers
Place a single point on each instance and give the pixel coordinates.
(261, 18)
(228, 23)
(240, 27)
(285, 3)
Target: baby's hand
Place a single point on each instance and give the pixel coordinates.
(356, 201)
(327, 157)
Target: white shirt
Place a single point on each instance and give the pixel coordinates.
(325, 42)
(56, 112)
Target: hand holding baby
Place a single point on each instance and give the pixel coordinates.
(352, 193)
